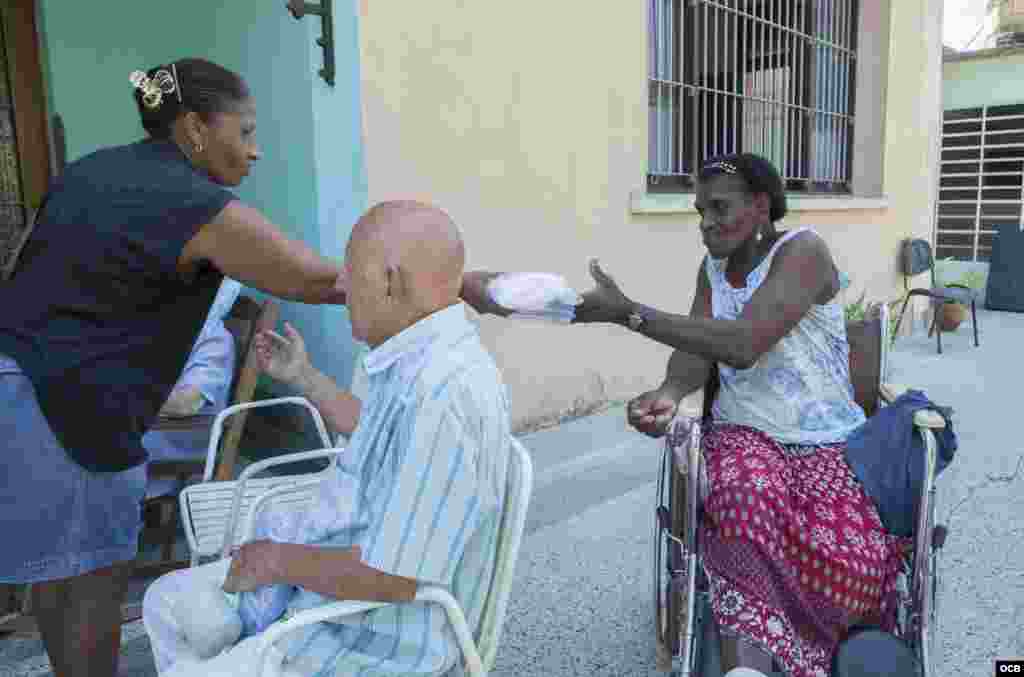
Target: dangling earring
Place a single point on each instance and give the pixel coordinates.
(198, 148)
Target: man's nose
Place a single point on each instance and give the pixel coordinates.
(256, 153)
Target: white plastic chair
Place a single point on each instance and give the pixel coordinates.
(478, 653)
(210, 510)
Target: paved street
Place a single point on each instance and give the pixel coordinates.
(582, 600)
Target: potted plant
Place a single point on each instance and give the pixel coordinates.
(861, 310)
(951, 315)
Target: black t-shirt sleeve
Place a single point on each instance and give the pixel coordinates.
(185, 213)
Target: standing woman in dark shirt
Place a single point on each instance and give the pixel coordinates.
(97, 321)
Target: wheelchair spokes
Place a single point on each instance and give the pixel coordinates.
(681, 591)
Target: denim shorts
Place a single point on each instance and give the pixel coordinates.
(58, 519)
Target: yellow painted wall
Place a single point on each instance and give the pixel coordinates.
(528, 122)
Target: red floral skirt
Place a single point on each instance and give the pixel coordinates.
(794, 549)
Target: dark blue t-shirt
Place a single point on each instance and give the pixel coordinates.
(96, 313)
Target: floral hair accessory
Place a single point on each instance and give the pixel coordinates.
(154, 88)
(724, 167)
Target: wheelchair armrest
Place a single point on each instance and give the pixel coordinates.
(692, 405)
(922, 419)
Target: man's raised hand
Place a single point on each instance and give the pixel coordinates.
(282, 357)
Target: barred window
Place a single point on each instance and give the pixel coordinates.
(981, 182)
(772, 77)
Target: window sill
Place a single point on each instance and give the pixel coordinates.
(642, 202)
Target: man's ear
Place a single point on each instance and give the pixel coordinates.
(390, 280)
(398, 282)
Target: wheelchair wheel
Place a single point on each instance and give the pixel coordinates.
(665, 560)
(681, 591)
(918, 595)
(671, 575)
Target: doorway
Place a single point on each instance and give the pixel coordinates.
(25, 166)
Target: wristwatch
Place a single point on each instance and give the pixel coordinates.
(639, 317)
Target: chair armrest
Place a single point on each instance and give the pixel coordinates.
(922, 419)
(285, 459)
(236, 499)
(218, 425)
(334, 611)
(249, 526)
(692, 405)
(279, 630)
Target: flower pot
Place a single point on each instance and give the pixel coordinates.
(951, 315)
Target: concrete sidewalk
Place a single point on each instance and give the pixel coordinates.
(582, 603)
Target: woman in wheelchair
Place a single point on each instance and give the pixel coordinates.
(794, 550)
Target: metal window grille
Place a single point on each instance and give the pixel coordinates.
(981, 182)
(772, 77)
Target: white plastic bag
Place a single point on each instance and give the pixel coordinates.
(209, 620)
(535, 296)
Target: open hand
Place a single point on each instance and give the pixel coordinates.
(253, 566)
(651, 412)
(282, 357)
(605, 302)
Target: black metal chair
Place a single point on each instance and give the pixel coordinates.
(938, 296)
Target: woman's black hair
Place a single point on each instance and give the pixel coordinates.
(205, 87)
(758, 173)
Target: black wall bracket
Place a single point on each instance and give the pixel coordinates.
(322, 9)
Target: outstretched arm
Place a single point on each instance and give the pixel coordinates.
(245, 246)
(799, 274)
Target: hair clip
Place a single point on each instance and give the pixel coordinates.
(725, 167)
(154, 88)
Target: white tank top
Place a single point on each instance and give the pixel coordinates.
(799, 392)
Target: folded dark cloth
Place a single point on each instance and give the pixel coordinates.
(887, 455)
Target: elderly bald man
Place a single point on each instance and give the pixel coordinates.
(416, 498)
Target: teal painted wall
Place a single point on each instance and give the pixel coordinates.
(91, 50)
(310, 181)
(341, 183)
(983, 82)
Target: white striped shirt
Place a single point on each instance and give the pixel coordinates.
(420, 489)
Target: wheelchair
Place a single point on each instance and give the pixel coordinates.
(686, 637)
